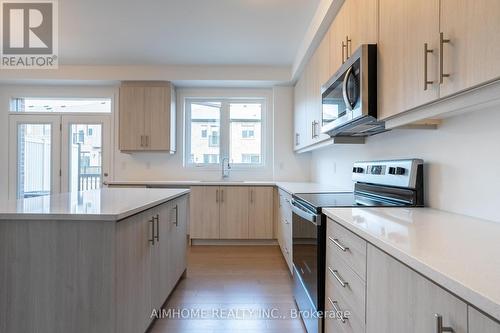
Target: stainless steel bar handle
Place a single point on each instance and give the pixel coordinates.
(426, 65)
(343, 52)
(251, 195)
(340, 246)
(442, 41)
(142, 140)
(221, 195)
(297, 139)
(147, 140)
(176, 215)
(439, 325)
(152, 240)
(216, 195)
(157, 218)
(338, 277)
(312, 130)
(338, 312)
(347, 42)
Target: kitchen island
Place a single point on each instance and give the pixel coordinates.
(95, 261)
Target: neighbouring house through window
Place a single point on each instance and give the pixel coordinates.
(218, 128)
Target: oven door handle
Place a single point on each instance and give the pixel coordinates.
(313, 218)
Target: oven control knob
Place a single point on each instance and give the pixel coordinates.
(400, 171)
(357, 170)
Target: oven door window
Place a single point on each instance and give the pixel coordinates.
(305, 254)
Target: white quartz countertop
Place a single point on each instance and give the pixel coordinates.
(108, 204)
(460, 253)
(290, 187)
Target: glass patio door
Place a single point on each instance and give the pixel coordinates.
(34, 156)
(85, 152)
(57, 153)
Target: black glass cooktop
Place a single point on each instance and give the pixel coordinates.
(316, 201)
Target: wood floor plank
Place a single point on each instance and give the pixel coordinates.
(251, 281)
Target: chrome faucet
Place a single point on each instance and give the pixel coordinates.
(226, 166)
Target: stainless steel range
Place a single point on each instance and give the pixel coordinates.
(377, 183)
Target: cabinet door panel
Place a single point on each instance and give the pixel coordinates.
(363, 23)
(338, 33)
(479, 323)
(178, 240)
(404, 27)
(131, 118)
(401, 300)
(300, 113)
(471, 57)
(133, 273)
(157, 118)
(234, 212)
(204, 212)
(260, 222)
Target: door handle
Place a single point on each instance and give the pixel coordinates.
(338, 278)
(337, 311)
(426, 55)
(216, 195)
(176, 215)
(343, 52)
(442, 41)
(157, 218)
(347, 42)
(152, 240)
(337, 243)
(439, 325)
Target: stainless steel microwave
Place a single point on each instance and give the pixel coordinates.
(349, 98)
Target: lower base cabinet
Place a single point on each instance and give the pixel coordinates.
(401, 300)
(231, 212)
(151, 250)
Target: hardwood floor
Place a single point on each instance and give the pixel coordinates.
(232, 289)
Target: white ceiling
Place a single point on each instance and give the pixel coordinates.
(202, 32)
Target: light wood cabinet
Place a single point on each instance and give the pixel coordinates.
(134, 273)
(177, 239)
(87, 276)
(339, 30)
(404, 29)
(260, 214)
(231, 212)
(205, 213)
(401, 300)
(132, 118)
(234, 212)
(355, 24)
(284, 226)
(147, 116)
(471, 56)
(479, 323)
(300, 114)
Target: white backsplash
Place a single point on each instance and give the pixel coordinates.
(462, 160)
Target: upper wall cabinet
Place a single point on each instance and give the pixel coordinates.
(435, 48)
(300, 114)
(355, 24)
(147, 116)
(471, 48)
(406, 29)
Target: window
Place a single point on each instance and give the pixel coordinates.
(233, 127)
(60, 105)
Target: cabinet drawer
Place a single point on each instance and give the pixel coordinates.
(347, 246)
(285, 206)
(354, 290)
(352, 324)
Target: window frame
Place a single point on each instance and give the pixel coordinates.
(224, 131)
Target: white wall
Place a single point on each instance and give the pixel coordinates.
(282, 163)
(462, 162)
(279, 153)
